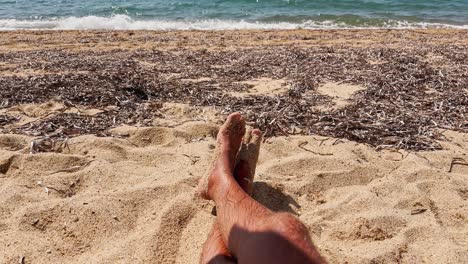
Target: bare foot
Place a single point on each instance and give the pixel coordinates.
(215, 249)
(247, 160)
(228, 142)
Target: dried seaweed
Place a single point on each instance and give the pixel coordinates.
(406, 102)
(457, 161)
(6, 119)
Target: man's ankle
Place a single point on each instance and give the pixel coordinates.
(227, 191)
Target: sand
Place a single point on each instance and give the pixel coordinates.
(340, 94)
(130, 199)
(221, 40)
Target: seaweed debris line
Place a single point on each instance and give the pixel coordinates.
(410, 92)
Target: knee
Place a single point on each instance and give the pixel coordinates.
(289, 226)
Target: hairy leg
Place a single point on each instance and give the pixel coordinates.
(215, 249)
(253, 233)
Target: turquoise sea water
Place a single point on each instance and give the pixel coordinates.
(231, 14)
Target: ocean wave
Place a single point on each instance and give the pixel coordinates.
(124, 22)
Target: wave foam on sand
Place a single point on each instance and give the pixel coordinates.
(124, 22)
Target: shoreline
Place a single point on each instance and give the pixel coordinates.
(126, 22)
(225, 39)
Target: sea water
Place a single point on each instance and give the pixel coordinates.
(231, 14)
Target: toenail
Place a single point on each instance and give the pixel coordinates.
(257, 132)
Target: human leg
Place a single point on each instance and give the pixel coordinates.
(253, 233)
(214, 249)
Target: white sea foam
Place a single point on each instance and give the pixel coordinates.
(123, 22)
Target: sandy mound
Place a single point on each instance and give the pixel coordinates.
(339, 93)
(264, 86)
(129, 199)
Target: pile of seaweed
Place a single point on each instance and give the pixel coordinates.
(411, 92)
(6, 119)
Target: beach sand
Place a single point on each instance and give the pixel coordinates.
(129, 197)
(111, 200)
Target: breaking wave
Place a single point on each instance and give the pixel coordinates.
(124, 22)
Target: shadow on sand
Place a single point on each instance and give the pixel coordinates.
(274, 198)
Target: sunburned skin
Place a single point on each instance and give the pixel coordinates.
(247, 159)
(245, 230)
(214, 249)
(229, 139)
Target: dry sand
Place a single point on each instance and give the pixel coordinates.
(222, 40)
(130, 199)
